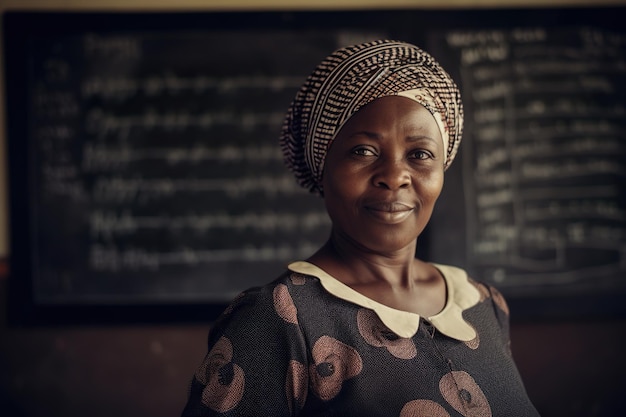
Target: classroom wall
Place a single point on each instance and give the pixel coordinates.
(570, 368)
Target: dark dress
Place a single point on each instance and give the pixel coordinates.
(308, 345)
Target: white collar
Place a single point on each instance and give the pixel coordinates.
(461, 295)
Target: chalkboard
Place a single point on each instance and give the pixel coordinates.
(146, 180)
(543, 167)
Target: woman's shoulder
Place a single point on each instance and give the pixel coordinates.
(487, 301)
(256, 302)
(288, 278)
(459, 276)
(471, 289)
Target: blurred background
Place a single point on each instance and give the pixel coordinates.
(573, 365)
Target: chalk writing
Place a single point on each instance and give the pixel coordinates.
(118, 88)
(170, 168)
(102, 124)
(100, 157)
(111, 259)
(109, 224)
(544, 172)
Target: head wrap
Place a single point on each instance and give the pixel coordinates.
(352, 77)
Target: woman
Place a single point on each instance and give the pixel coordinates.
(363, 328)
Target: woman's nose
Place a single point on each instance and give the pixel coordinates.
(392, 174)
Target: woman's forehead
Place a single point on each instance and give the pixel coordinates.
(393, 112)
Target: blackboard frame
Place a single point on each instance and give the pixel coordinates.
(20, 26)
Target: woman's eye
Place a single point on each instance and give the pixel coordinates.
(421, 155)
(363, 152)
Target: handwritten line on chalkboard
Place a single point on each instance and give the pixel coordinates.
(506, 196)
(514, 239)
(585, 209)
(603, 130)
(101, 157)
(102, 124)
(581, 145)
(570, 169)
(573, 192)
(120, 189)
(170, 84)
(492, 160)
(109, 223)
(541, 277)
(543, 67)
(498, 89)
(571, 128)
(567, 108)
(494, 178)
(111, 259)
(585, 127)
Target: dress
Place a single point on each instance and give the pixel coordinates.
(308, 345)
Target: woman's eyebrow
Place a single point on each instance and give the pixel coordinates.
(417, 138)
(420, 137)
(376, 135)
(372, 135)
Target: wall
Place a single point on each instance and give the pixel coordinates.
(570, 368)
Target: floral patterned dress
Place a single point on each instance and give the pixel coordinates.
(308, 345)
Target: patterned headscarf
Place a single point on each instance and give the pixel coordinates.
(352, 77)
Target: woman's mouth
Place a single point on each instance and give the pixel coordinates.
(390, 212)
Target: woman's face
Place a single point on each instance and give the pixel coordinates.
(383, 174)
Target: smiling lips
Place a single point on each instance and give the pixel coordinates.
(390, 212)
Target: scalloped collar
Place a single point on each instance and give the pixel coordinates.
(461, 295)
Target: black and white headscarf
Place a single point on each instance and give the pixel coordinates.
(352, 77)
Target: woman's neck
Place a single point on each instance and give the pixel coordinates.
(398, 280)
(356, 265)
